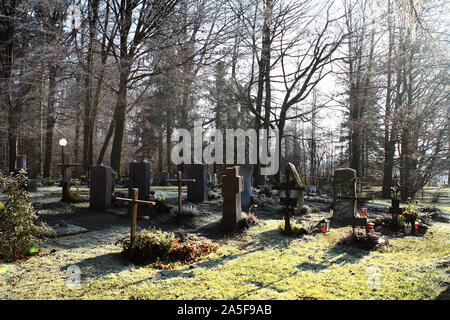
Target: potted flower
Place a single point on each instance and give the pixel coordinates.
(410, 215)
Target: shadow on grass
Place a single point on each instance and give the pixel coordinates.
(314, 267)
(100, 266)
(340, 254)
(444, 295)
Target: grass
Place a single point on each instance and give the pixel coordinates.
(260, 264)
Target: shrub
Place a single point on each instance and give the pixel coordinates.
(73, 196)
(19, 233)
(296, 229)
(151, 245)
(155, 246)
(250, 220)
(370, 241)
(189, 248)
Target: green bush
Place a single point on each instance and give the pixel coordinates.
(151, 245)
(19, 233)
(157, 247)
(296, 229)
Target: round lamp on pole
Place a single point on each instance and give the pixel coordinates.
(62, 142)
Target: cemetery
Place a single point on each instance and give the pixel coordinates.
(126, 248)
(224, 150)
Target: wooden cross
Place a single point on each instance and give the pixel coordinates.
(134, 202)
(179, 182)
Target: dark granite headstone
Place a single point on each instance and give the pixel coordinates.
(232, 186)
(344, 195)
(100, 187)
(163, 176)
(21, 162)
(197, 191)
(246, 171)
(139, 178)
(32, 185)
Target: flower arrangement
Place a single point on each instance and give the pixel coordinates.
(411, 212)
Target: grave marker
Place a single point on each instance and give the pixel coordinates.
(65, 173)
(139, 178)
(101, 187)
(179, 183)
(197, 191)
(232, 186)
(134, 201)
(290, 189)
(246, 172)
(344, 195)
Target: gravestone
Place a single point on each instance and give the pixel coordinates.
(232, 186)
(212, 180)
(163, 176)
(151, 176)
(344, 195)
(197, 191)
(139, 178)
(100, 187)
(21, 162)
(246, 171)
(32, 185)
(263, 181)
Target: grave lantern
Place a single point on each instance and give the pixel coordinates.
(363, 212)
(324, 226)
(369, 227)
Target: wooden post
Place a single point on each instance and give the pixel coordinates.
(133, 221)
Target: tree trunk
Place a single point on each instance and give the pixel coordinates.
(120, 121)
(50, 121)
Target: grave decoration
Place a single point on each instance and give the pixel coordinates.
(232, 186)
(290, 190)
(179, 182)
(410, 215)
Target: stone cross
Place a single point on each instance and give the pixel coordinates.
(65, 165)
(232, 186)
(179, 182)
